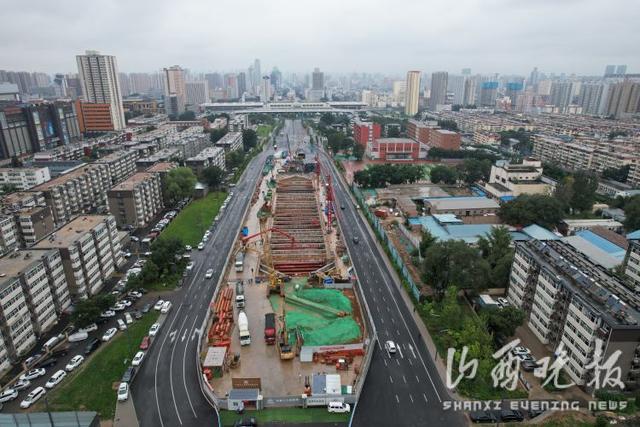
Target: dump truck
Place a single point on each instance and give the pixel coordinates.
(270, 328)
(243, 326)
(240, 302)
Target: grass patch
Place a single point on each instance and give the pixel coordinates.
(264, 131)
(93, 387)
(164, 283)
(286, 415)
(190, 224)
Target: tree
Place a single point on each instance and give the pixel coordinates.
(553, 170)
(213, 176)
(393, 131)
(104, 301)
(234, 159)
(85, 313)
(632, 214)
(426, 241)
(358, 151)
(164, 252)
(564, 192)
(617, 174)
(495, 248)
(16, 162)
(326, 119)
(504, 322)
(443, 174)
(454, 263)
(585, 185)
(216, 134)
(474, 170)
(249, 139)
(179, 184)
(528, 209)
(8, 188)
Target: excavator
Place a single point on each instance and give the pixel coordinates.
(285, 349)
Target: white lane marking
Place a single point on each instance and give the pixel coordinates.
(425, 397)
(397, 399)
(155, 381)
(412, 352)
(417, 378)
(184, 335)
(409, 360)
(400, 350)
(411, 397)
(379, 345)
(391, 379)
(173, 396)
(172, 335)
(381, 320)
(385, 362)
(404, 379)
(184, 377)
(398, 362)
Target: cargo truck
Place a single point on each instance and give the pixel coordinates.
(243, 326)
(240, 295)
(270, 328)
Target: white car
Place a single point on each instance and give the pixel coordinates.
(190, 266)
(8, 395)
(56, 379)
(503, 302)
(200, 246)
(74, 363)
(520, 350)
(153, 331)
(390, 346)
(119, 306)
(209, 273)
(158, 305)
(338, 407)
(137, 359)
(188, 248)
(33, 374)
(89, 328)
(108, 313)
(126, 302)
(33, 397)
(123, 392)
(166, 307)
(109, 334)
(21, 384)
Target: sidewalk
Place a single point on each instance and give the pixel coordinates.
(126, 414)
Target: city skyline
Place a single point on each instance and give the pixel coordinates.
(510, 37)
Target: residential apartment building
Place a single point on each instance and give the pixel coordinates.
(122, 164)
(211, 156)
(632, 264)
(32, 220)
(8, 234)
(623, 99)
(197, 92)
(634, 175)
(94, 117)
(570, 302)
(412, 93)
(23, 178)
(430, 134)
(396, 149)
(438, 94)
(80, 191)
(232, 141)
(137, 200)
(174, 90)
(365, 132)
(33, 294)
(90, 249)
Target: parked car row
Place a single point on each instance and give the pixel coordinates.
(506, 415)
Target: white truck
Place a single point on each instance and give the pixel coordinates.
(240, 302)
(239, 261)
(243, 326)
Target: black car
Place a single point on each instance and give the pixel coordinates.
(528, 366)
(128, 374)
(246, 422)
(511, 415)
(91, 346)
(47, 363)
(482, 417)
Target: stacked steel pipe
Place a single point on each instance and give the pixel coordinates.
(222, 325)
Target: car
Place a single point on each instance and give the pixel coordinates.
(503, 302)
(355, 239)
(146, 254)
(511, 415)
(121, 325)
(136, 314)
(342, 207)
(339, 407)
(21, 384)
(91, 346)
(520, 350)
(128, 374)
(482, 417)
(209, 273)
(108, 313)
(188, 248)
(134, 294)
(166, 307)
(390, 346)
(126, 254)
(153, 331)
(109, 334)
(119, 306)
(137, 359)
(146, 308)
(56, 379)
(33, 397)
(128, 318)
(158, 305)
(8, 395)
(246, 422)
(47, 363)
(89, 328)
(126, 302)
(205, 239)
(33, 374)
(146, 342)
(115, 293)
(123, 392)
(78, 336)
(74, 363)
(190, 266)
(200, 246)
(33, 359)
(134, 239)
(528, 366)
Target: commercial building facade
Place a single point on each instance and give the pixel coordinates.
(395, 149)
(511, 179)
(137, 200)
(430, 134)
(94, 117)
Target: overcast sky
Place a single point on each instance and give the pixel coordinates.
(504, 36)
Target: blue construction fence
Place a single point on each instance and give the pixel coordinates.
(382, 235)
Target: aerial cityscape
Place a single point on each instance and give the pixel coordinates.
(320, 216)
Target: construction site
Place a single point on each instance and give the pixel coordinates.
(286, 319)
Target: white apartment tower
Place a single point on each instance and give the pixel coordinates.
(412, 93)
(100, 83)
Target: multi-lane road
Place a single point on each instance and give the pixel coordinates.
(166, 391)
(402, 389)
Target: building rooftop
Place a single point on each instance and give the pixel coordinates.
(64, 178)
(467, 202)
(395, 140)
(21, 169)
(162, 167)
(131, 182)
(207, 153)
(66, 235)
(15, 263)
(577, 223)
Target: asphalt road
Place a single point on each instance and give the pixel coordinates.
(166, 392)
(402, 389)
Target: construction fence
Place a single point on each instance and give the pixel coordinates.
(393, 252)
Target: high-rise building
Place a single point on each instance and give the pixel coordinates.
(197, 92)
(561, 95)
(534, 78)
(257, 76)
(455, 86)
(466, 71)
(231, 85)
(100, 83)
(174, 90)
(412, 93)
(276, 78)
(438, 89)
(488, 93)
(399, 89)
(242, 83)
(590, 97)
(317, 79)
(60, 85)
(125, 85)
(513, 89)
(265, 89)
(609, 70)
(470, 89)
(623, 99)
(214, 80)
(621, 70)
